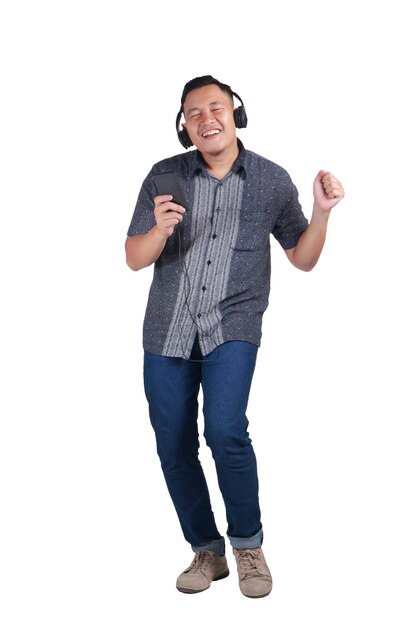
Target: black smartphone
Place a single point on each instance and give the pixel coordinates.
(167, 183)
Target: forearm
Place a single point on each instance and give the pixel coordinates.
(143, 250)
(310, 245)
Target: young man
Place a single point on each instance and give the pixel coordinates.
(203, 320)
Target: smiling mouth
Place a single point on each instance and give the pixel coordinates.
(210, 133)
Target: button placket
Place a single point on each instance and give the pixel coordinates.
(210, 250)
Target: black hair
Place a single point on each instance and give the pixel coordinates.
(203, 81)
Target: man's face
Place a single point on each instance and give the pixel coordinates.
(209, 121)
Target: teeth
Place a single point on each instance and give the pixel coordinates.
(211, 132)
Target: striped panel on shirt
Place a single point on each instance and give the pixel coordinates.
(214, 228)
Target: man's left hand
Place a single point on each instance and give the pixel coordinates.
(327, 191)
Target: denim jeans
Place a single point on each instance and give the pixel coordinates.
(172, 385)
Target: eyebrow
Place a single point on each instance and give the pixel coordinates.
(215, 102)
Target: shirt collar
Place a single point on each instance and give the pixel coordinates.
(197, 162)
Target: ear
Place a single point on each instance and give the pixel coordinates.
(184, 124)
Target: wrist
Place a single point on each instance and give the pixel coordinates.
(319, 214)
(158, 235)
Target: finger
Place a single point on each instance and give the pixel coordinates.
(168, 206)
(170, 220)
(332, 185)
(177, 207)
(161, 199)
(335, 193)
(330, 178)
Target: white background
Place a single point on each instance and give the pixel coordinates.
(90, 91)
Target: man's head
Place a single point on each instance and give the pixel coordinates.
(210, 118)
(204, 81)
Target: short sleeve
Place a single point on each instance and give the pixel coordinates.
(291, 222)
(143, 216)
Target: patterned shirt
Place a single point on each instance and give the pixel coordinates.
(213, 276)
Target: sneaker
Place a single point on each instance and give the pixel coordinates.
(255, 580)
(206, 567)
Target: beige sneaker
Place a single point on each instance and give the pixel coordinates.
(205, 568)
(255, 580)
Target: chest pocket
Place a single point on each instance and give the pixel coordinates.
(255, 227)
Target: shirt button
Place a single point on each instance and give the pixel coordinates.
(204, 288)
(199, 315)
(214, 236)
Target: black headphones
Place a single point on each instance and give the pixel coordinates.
(239, 115)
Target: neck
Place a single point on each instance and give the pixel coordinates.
(220, 164)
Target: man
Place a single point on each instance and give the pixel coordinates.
(203, 321)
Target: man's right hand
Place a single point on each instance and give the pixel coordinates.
(167, 215)
(143, 250)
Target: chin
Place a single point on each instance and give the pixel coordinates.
(213, 149)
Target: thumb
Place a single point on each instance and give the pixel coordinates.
(321, 175)
(318, 181)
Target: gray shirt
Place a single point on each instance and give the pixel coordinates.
(213, 276)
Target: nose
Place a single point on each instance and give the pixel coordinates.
(207, 116)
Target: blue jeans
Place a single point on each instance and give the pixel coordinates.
(172, 385)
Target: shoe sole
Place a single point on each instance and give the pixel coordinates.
(255, 597)
(188, 590)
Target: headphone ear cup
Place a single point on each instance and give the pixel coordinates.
(184, 139)
(183, 136)
(240, 117)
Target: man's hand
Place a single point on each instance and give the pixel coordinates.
(167, 215)
(327, 191)
(143, 250)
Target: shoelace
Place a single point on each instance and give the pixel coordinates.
(250, 562)
(201, 560)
